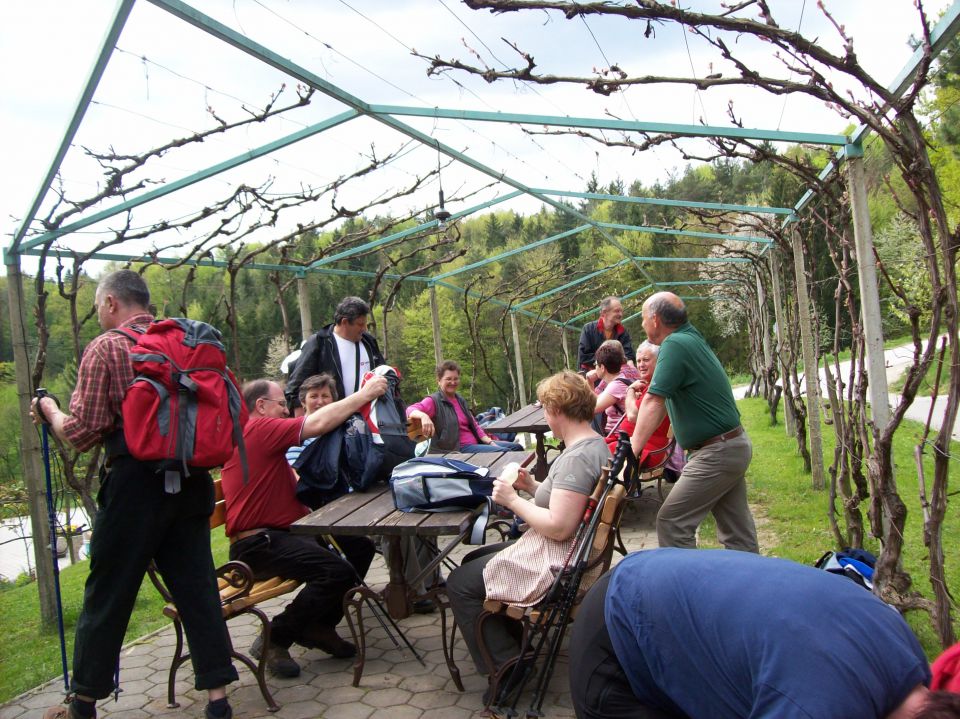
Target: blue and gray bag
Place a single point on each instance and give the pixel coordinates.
(437, 484)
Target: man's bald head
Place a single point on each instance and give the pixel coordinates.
(668, 307)
(663, 312)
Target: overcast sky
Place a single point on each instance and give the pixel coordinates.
(165, 75)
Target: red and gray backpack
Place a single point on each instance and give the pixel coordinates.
(183, 408)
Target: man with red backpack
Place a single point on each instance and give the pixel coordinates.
(140, 518)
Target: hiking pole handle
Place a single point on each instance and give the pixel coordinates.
(40, 394)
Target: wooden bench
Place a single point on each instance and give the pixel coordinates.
(240, 594)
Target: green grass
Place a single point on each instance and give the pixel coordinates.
(926, 385)
(793, 517)
(30, 655)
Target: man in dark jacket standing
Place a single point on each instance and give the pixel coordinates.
(344, 350)
(608, 327)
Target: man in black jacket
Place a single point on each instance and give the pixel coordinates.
(344, 350)
(608, 327)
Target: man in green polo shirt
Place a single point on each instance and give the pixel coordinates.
(690, 385)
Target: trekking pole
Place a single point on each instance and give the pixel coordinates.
(52, 520)
(375, 606)
(563, 591)
(579, 569)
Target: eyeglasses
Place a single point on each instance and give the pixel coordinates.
(270, 399)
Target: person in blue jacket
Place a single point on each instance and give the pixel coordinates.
(717, 634)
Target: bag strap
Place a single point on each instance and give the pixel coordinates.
(234, 400)
(129, 332)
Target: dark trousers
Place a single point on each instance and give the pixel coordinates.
(467, 592)
(137, 521)
(326, 576)
(599, 688)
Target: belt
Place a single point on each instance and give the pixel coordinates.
(735, 432)
(246, 533)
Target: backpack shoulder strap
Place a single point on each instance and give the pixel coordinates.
(129, 332)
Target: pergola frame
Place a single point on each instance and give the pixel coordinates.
(849, 150)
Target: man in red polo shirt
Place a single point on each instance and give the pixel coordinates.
(259, 515)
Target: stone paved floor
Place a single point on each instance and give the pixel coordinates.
(394, 684)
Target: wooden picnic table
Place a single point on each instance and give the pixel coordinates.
(372, 513)
(527, 419)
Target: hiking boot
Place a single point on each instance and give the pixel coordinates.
(327, 640)
(207, 714)
(424, 606)
(279, 661)
(61, 711)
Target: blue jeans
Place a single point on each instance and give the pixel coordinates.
(498, 446)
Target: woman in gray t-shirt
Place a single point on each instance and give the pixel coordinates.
(555, 511)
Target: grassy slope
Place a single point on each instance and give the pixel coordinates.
(795, 516)
(30, 656)
(792, 519)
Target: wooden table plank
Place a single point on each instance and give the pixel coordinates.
(525, 419)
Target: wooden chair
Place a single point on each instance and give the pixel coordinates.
(634, 476)
(240, 593)
(544, 624)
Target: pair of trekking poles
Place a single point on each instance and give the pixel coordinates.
(561, 597)
(52, 525)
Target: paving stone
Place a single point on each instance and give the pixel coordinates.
(389, 697)
(421, 682)
(298, 693)
(304, 710)
(12, 711)
(342, 695)
(404, 712)
(447, 713)
(435, 699)
(351, 711)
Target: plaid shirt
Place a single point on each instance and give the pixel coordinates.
(103, 377)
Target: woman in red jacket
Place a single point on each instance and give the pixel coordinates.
(646, 362)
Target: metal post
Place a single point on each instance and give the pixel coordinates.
(869, 293)
(788, 419)
(521, 388)
(765, 332)
(810, 368)
(435, 317)
(566, 347)
(303, 299)
(30, 448)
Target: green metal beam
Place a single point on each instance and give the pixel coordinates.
(196, 177)
(574, 283)
(726, 207)
(687, 233)
(709, 260)
(408, 232)
(643, 289)
(210, 262)
(499, 303)
(734, 133)
(120, 16)
(510, 253)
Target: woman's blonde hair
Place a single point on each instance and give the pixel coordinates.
(567, 393)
